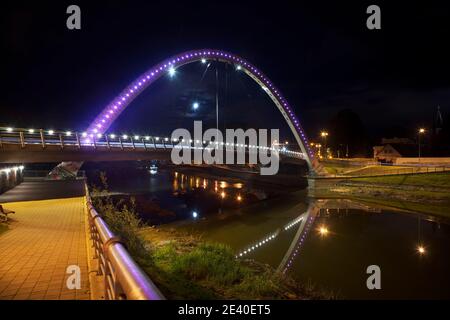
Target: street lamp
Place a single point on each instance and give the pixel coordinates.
(324, 135)
(421, 132)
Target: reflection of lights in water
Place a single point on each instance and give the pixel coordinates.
(293, 223)
(205, 183)
(258, 244)
(194, 214)
(270, 237)
(197, 182)
(421, 249)
(300, 243)
(323, 230)
(153, 169)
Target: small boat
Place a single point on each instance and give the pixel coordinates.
(153, 169)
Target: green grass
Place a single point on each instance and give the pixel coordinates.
(188, 268)
(423, 180)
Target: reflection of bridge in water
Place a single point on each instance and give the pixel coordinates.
(305, 222)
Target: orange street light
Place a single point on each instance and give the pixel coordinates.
(323, 230)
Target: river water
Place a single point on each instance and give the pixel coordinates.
(330, 243)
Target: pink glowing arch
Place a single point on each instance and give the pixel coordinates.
(113, 110)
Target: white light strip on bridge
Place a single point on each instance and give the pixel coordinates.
(11, 169)
(126, 138)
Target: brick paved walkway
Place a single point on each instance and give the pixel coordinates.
(44, 238)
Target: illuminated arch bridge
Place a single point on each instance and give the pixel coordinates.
(112, 111)
(104, 120)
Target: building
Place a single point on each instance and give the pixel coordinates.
(391, 151)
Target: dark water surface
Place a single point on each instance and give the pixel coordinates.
(330, 242)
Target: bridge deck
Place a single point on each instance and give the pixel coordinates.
(44, 238)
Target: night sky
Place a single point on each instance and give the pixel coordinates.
(320, 54)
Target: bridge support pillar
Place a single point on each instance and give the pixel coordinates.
(22, 140)
(41, 132)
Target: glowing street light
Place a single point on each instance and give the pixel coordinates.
(50, 132)
(238, 67)
(31, 131)
(9, 129)
(239, 198)
(324, 135)
(125, 137)
(68, 133)
(195, 105)
(203, 60)
(171, 71)
(194, 214)
(222, 194)
(420, 132)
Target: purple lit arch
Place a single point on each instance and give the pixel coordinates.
(113, 110)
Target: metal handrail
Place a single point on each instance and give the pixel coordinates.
(72, 140)
(123, 278)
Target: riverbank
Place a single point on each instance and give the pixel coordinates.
(185, 267)
(427, 193)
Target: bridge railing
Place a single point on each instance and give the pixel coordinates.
(69, 140)
(123, 278)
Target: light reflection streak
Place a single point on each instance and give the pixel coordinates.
(269, 237)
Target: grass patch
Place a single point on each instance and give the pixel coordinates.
(187, 268)
(424, 179)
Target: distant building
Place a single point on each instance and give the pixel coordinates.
(389, 152)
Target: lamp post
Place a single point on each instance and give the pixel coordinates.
(421, 132)
(324, 136)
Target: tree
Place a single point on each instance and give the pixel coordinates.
(347, 132)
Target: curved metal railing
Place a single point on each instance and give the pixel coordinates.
(123, 278)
